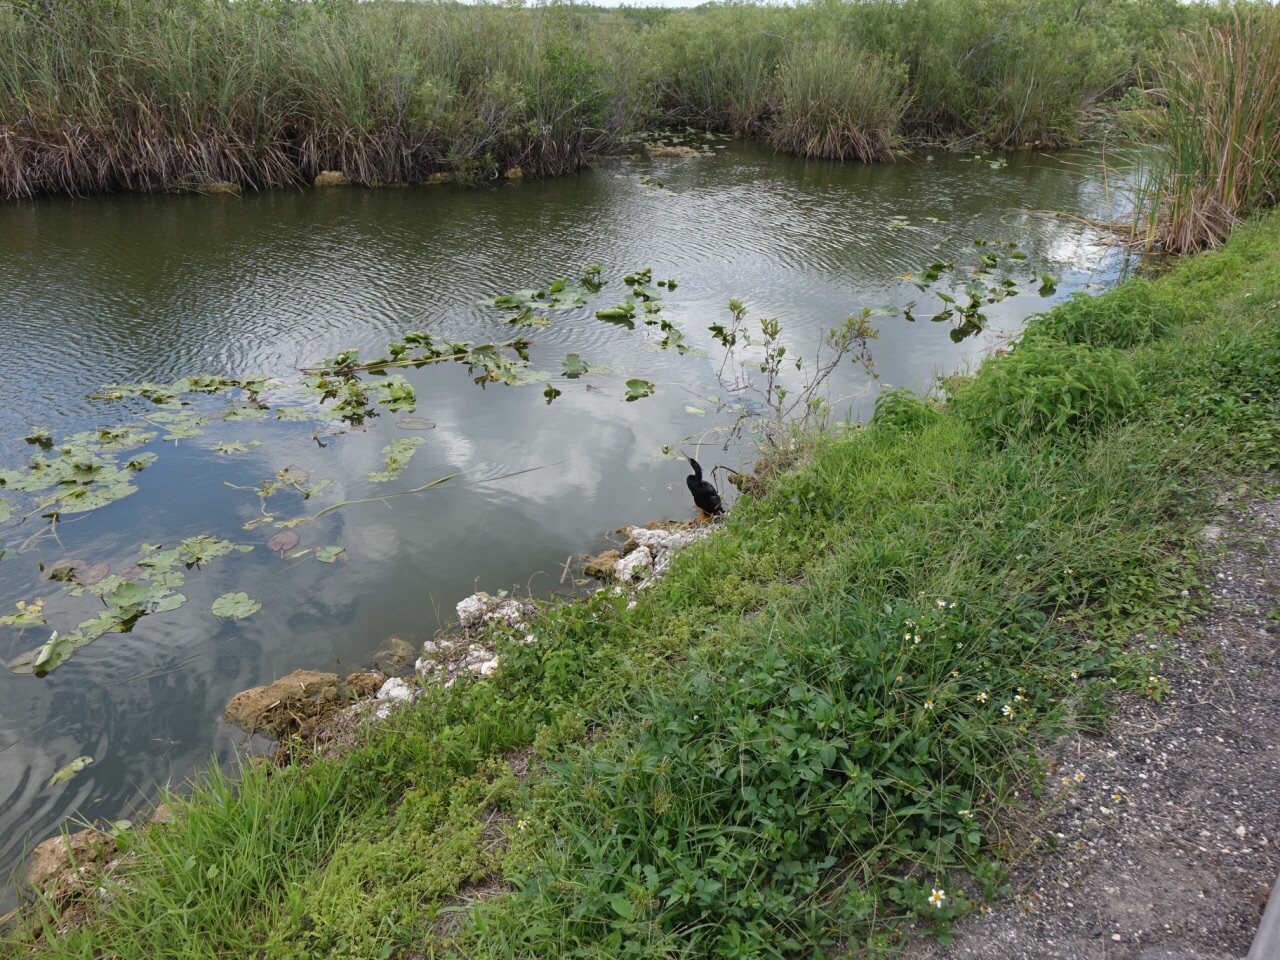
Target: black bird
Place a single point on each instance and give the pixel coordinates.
(704, 494)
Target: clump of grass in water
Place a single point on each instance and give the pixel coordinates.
(838, 103)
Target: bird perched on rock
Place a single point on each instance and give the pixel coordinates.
(704, 494)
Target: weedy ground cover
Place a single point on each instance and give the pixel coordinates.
(810, 731)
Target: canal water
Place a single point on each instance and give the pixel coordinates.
(152, 288)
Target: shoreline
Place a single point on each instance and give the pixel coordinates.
(767, 677)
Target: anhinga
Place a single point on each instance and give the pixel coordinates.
(704, 494)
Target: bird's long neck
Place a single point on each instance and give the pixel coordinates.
(697, 470)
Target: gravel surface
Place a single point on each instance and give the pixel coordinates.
(1180, 866)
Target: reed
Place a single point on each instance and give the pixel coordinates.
(1222, 128)
(104, 95)
(134, 95)
(840, 104)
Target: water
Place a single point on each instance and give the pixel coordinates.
(133, 288)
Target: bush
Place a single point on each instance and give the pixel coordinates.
(901, 411)
(1122, 318)
(1048, 388)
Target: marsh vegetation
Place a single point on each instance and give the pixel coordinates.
(155, 94)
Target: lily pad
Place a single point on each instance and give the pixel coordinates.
(574, 366)
(63, 570)
(28, 615)
(415, 423)
(283, 541)
(94, 573)
(236, 605)
(639, 388)
(395, 457)
(6, 511)
(69, 771)
(328, 554)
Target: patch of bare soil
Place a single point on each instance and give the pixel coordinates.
(1180, 866)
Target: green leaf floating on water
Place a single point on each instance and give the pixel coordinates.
(28, 615)
(179, 424)
(574, 366)
(237, 605)
(639, 388)
(6, 511)
(69, 771)
(234, 446)
(328, 554)
(396, 393)
(415, 423)
(395, 457)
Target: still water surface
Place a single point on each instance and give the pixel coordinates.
(132, 288)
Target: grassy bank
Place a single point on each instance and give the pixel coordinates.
(150, 94)
(811, 730)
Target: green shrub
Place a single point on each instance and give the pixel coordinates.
(1122, 318)
(901, 411)
(1048, 388)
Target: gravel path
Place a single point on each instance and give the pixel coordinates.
(1181, 865)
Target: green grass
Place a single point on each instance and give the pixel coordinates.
(760, 758)
(109, 95)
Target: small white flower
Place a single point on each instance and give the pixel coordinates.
(942, 605)
(521, 824)
(1067, 571)
(967, 814)
(1018, 698)
(1007, 710)
(983, 697)
(1079, 777)
(1075, 674)
(928, 704)
(936, 897)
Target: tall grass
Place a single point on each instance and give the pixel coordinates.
(840, 104)
(136, 95)
(1222, 127)
(104, 95)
